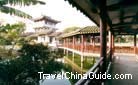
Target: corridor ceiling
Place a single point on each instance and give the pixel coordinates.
(122, 15)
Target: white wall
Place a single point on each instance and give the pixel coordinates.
(43, 39)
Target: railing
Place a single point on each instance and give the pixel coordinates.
(95, 70)
(96, 49)
(137, 50)
(108, 60)
(124, 49)
(86, 48)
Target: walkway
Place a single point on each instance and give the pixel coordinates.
(125, 64)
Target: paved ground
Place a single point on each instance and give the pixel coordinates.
(125, 64)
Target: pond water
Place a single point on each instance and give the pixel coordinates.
(53, 80)
(63, 81)
(56, 81)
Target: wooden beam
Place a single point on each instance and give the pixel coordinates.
(83, 10)
(122, 4)
(124, 24)
(125, 31)
(126, 17)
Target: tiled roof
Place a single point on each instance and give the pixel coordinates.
(85, 30)
(55, 34)
(88, 29)
(26, 34)
(47, 32)
(46, 18)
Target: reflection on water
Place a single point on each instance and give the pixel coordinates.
(70, 65)
(55, 81)
(64, 81)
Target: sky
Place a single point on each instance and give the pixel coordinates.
(57, 9)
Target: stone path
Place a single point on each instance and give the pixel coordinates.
(124, 64)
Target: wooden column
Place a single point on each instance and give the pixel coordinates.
(82, 50)
(91, 40)
(103, 33)
(73, 39)
(110, 45)
(67, 41)
(64, 45)
(113, 45)
(103, 44)
(135, 43)
(93, 43)
(82, 43)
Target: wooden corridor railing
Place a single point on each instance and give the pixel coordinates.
(96, 69)
(96, 49)
(124, 49)
(86, 48)
(137, 50)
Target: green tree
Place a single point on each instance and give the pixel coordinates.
(11, 10)
(24, 69)
(70, 29)
(10, 35)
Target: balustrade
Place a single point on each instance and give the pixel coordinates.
(96, 49)
(137, 50)
(124, 49)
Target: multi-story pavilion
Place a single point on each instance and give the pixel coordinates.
(45, 27)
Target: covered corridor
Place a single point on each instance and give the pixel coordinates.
(118, 17)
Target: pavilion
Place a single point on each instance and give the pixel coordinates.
(82, 41)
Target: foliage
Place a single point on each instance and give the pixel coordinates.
(24, 69)
(58, 53)
(7, 9)
(70, 29)
(11, 32)
(120, 39)
(10, 35)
